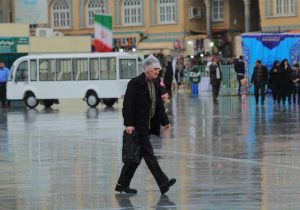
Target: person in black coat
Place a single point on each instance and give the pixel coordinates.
(179, 75)
(239, 67)
(285, 81)
(274, 81)
(215, 74)
(259, 79)
(162, 88)
(168, 78)
(144, 113)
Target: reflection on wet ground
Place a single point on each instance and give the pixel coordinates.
(230, 156)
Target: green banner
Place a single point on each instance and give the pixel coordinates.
(9, 44)
(22, 40)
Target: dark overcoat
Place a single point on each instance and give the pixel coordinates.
(213, 74)
(286, 79)
(274, 78)
(136, 107)
(264, 75)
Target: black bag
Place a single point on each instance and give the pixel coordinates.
(131, 148)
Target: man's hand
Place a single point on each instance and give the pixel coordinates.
(129, 129)
(167, 126)
(165, 97)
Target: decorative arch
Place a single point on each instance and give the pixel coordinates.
(94, 7)
(60, 13)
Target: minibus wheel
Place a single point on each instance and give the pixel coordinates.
(30, 100)
(92, 100)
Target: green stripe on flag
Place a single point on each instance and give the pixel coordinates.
(104, 20)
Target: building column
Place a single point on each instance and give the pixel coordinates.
(208, 17)
(247, 15)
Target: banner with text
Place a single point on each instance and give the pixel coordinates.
(9, 44)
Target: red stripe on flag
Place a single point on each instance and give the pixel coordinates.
(101, 47)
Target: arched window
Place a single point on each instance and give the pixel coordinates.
(166, 11)
(132, 12)
(94, 7)
(61, 14)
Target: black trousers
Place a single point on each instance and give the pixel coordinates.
(296, 91)
(275, 91)
(215, 90)
(286, 93)
(259, 89)
(3, 93)
(147, 153)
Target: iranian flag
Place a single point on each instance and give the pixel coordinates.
(103, 33)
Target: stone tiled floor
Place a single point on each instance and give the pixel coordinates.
(231, 156)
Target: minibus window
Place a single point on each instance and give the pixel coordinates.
(63, 70)
(108, 69)
(33, 70)
(80, 68)
(22, 72)
(127, 68)
(45, 70)
(94, 68)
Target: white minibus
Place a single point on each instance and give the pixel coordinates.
(94, 77)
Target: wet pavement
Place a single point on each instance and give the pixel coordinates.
(228, 156)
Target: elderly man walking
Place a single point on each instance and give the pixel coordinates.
(144, 113)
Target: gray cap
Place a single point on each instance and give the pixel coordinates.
(151, 62)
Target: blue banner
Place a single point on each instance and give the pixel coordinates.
(270, 47)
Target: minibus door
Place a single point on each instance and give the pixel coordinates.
(21, 78)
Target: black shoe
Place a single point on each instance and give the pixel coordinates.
(121, 189)
(165, 187)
